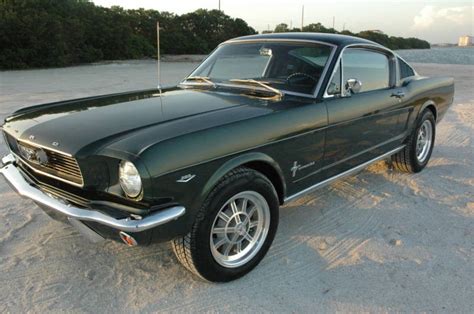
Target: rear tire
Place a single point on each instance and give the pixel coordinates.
(233, 229)
(417, 152)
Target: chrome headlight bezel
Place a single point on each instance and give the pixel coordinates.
(130, 179)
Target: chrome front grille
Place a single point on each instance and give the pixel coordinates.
(63, 166)
(52, 163)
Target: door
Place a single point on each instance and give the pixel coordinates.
(362, 124)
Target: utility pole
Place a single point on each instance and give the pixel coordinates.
(291, 24)
(302, 18)
(333, 22)
(219, 5)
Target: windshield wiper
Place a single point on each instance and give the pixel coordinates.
(203, 79)
(258, 83)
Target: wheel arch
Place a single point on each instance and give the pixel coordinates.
(257, 161)
(431, 105)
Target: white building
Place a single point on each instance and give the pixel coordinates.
(465, 41)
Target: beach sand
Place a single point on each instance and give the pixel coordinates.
(377, 241)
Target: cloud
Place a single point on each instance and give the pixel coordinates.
(430, 15)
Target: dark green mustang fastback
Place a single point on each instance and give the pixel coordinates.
(206, 164)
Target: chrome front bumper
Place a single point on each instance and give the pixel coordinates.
(27, 190)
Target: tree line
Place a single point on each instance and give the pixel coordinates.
(391, 42)
(50, 33)
(47, 33)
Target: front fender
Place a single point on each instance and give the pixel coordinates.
(251, 157)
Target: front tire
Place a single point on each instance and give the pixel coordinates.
(233, 229)
(417, 152)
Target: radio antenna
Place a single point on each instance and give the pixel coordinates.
(158, 68)
(158, 65)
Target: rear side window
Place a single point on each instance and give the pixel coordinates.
(405, 69)
(370, 67)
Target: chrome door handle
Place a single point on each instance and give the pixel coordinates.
(398, 94)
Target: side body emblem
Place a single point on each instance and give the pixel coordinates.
(186, 178)
(297, 167)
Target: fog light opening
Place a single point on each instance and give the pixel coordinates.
(127, 239)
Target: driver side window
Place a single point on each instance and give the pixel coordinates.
(371, 68)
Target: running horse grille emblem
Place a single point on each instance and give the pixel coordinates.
(34, 155)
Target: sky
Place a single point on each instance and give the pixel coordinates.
(438, 21)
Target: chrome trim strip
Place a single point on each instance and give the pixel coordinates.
(25, 189)
(342, 174)
(365, 151)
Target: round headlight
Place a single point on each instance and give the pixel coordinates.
(130, 180)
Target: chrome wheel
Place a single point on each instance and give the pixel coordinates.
(240, 229)
(423, 140)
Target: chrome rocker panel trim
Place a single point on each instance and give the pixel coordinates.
(25, 189)
(342, 174)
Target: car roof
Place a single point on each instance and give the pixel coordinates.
(335, 39)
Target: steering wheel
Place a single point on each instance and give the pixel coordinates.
(293, 75)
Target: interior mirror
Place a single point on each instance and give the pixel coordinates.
(353, 86)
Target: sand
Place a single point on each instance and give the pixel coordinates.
(377, 241)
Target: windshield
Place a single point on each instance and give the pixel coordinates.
(295, 67)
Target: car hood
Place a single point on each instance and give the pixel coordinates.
(89, 124)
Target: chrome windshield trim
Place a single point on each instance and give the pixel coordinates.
(323, 74)
(13, 176)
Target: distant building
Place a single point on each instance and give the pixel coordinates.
(465, 41)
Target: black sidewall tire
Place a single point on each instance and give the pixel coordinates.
(202, 256)
(417, 165)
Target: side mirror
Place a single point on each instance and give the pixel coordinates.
(352, 86)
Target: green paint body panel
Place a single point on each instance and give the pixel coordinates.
(208, 132)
